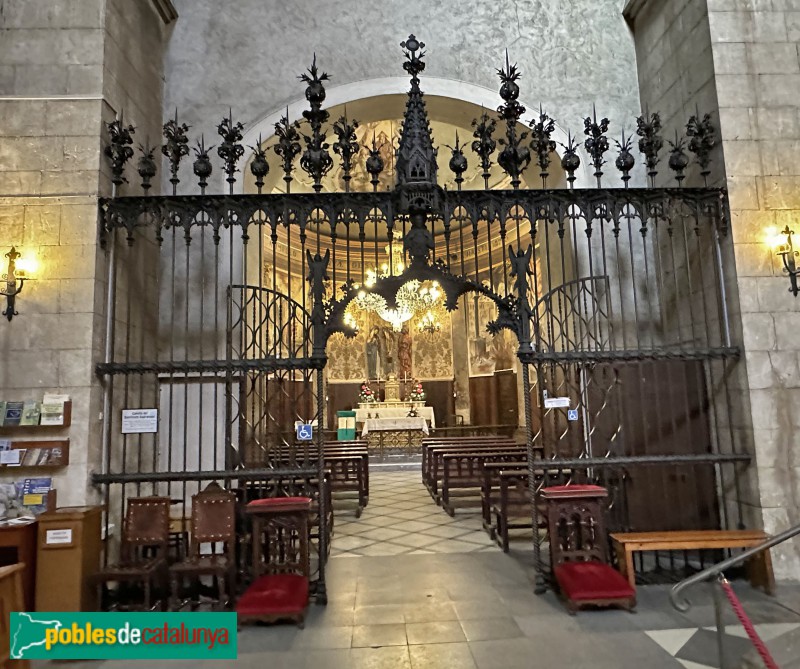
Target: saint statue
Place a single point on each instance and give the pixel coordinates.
(404, 353)
(374, 353)
(390, 351)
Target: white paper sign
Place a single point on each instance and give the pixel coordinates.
(10, 457)
(58, 537)
(556, 403)
(137, 421)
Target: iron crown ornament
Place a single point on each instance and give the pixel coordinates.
(288, 146)
(316, 161)
(648, 127)
(542, 144)
(597, 142)
(702, 139)
(484, 143)
(119, 150)
(515, 156)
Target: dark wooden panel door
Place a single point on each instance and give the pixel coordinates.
(507, 399)
(482, 400)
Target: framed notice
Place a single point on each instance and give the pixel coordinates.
(138, 421)
(58, 536)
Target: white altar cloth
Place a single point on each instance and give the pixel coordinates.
(394, 412)
(386, 424)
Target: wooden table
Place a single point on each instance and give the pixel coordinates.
(759, 566)
(20, 540)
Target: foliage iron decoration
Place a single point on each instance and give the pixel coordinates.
(542, 144)
(119, 149)
(596, 143)
(230, 150)
(175, 148)
(346, 146)
(648, 127)
(702, 139)
(288, 146)
(484, 143)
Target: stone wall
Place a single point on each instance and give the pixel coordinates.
(755, 47)
(740, 58)
(65, 67)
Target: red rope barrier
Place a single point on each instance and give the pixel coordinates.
(747, 624)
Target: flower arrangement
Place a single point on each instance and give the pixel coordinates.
(366, 394)
(417, 393)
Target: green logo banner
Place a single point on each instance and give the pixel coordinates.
(108, 636)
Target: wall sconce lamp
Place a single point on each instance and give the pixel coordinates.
(782, 243)
(14, 278)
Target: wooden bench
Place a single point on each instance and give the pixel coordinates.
(432, 468)
(462, 472)
(759, 566)
(430, 443)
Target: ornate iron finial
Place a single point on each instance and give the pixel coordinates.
(515, 157)
(346, 145)
(202, 164)
(625, 160)
(414, 64)
(416, 158)
(230, 150)
(374, 163)
(315, 161)
(288, 146)
(176, 148)
(147, 165)
(259, 167)
(542, 144)
(458, 161)
(570, 161)
(597, 142)
(484, 144)
(678, 160)
(648, 127)
(702, 140)
(119, 150)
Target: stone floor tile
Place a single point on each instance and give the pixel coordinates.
(323, 637)
(379, 614)
(427, 613)
(390, 657)
(443, 631)
(491, 628)
(477, 609)
(372, 636)
(441, 655)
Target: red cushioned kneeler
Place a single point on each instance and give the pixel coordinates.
(279, 590)
(578, 545)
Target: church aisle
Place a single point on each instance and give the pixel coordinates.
(401, 518)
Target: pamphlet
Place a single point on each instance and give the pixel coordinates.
(34, 494)
(31, 411)
(12, 456)
(13, 413)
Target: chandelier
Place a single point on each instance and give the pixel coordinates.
(414, 298)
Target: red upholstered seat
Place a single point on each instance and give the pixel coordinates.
(274, 594)
(277, 501)
(591, 580)
(555, 490)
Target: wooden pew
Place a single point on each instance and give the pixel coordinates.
(463, 472)
(491, 488)
(431, 472)
(429, 442)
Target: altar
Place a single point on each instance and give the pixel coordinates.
(367, 410)
(395, 436)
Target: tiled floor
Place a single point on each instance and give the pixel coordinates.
(457, 602)
(401, 519)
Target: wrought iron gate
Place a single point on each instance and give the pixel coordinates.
(606, 291)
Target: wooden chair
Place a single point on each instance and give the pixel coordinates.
(579, 547)
(213, 522)
(146, 526)
(279, 590)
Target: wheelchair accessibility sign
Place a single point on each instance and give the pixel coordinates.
(305, 432)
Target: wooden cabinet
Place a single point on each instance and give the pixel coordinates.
(68, 554)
